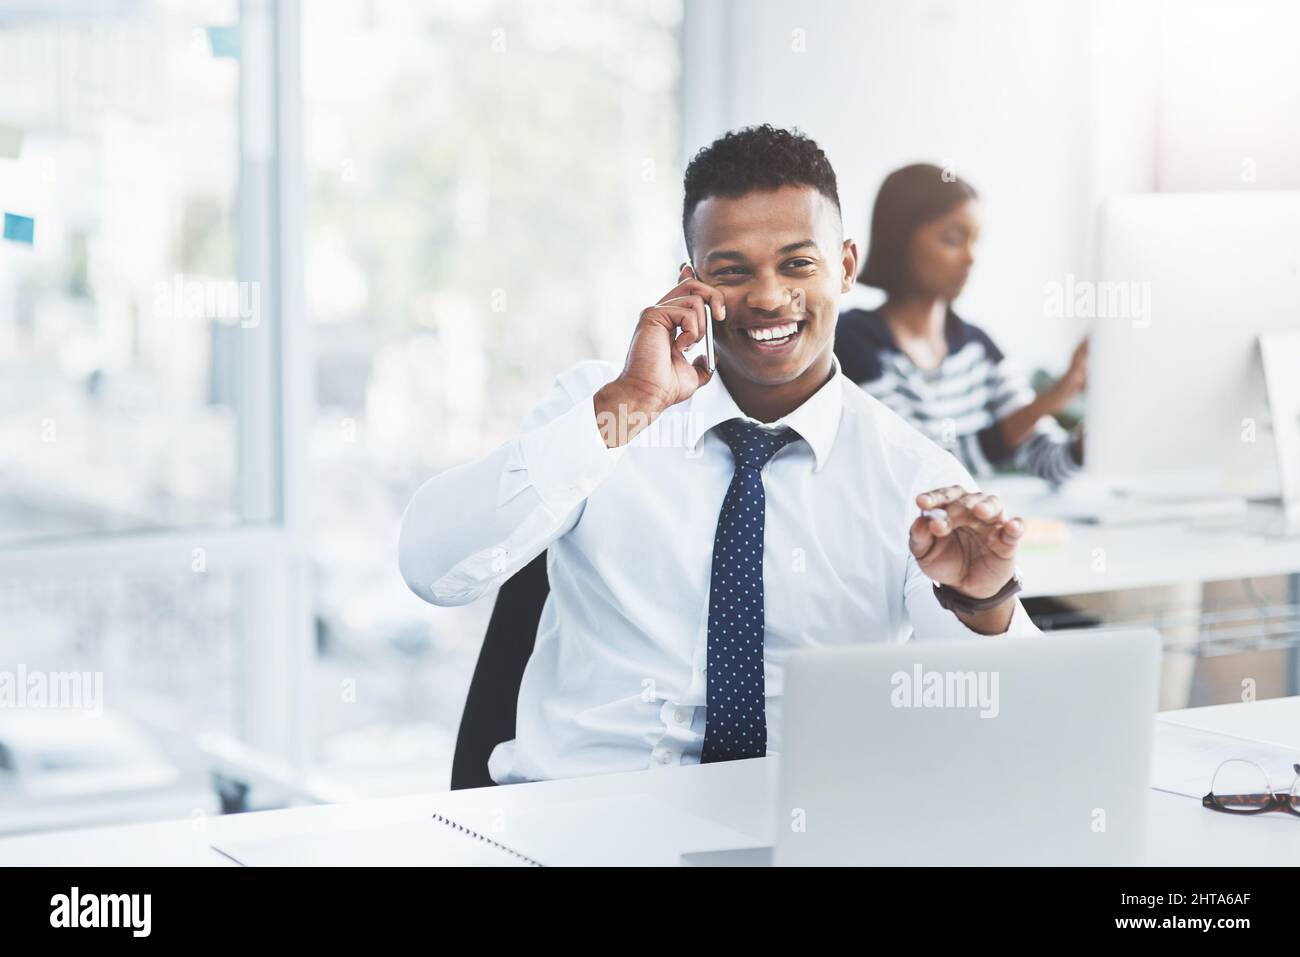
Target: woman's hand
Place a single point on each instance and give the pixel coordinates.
(1075, 379)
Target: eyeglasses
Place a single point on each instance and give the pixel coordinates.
(1243, 787)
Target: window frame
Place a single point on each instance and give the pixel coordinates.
(269, 549)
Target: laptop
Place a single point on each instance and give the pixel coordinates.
(1005, 751)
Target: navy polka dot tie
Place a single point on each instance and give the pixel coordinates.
(736, 725)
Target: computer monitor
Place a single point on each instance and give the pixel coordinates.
(1186, 284)
(1281, 353)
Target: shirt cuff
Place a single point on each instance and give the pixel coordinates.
(567, 457)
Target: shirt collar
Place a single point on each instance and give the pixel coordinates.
(817, 420)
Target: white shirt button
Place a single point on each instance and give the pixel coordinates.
(679, 716)
(665, 757)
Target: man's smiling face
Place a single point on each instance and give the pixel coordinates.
(779, 259)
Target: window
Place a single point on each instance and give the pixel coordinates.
(143, 531)
(270, 265)
(119, 356)
(492, 196)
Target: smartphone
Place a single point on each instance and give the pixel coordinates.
(709, 356)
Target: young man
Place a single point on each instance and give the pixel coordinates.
(701, 527)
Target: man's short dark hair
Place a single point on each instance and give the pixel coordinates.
(755, 158)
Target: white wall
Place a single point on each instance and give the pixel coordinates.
(998, 89)
(1229, 95)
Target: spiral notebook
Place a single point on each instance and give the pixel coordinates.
(632, 830)
(425, 843)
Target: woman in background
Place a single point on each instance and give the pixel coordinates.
(940, 373)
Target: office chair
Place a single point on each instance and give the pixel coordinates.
(489, 715)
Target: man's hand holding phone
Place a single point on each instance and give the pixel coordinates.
(657, 375)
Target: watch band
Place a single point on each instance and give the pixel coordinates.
(953, 600)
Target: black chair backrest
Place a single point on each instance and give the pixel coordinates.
(489, 715)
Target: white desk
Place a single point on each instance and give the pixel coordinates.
(737, 793)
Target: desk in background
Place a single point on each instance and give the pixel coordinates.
(1107, 558)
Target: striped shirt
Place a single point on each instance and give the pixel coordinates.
(959, 404)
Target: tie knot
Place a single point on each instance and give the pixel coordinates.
(753, 445)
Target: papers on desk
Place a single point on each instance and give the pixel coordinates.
(632, 830)
(1044, 533)
(1186, 759)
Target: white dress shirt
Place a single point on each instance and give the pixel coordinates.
(617, 677)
